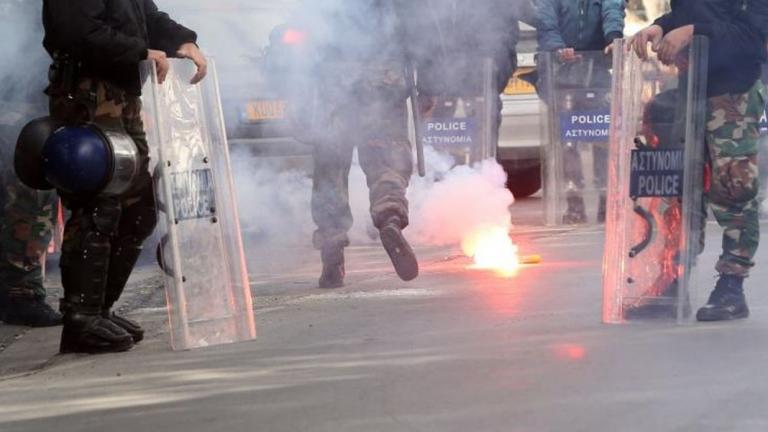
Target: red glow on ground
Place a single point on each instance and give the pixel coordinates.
(571, 351)
(294, 37)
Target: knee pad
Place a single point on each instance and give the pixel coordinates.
(138, 222)
(105, 216)
(90, 229)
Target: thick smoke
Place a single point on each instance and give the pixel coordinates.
(466, 199)
(275, 202)
(446, 205)
(23, 69)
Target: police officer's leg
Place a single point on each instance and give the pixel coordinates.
(732, 141)
(387, 160)
(572, 170)
(25, 232)
(330, 204)
(84, 265)
(505, 70)
(86, 249)
(137, 221)
(573, 176)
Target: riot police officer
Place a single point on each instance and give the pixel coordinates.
(736, 99)
(360, 70)
(96, 46)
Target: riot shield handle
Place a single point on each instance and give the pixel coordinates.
(410, 77)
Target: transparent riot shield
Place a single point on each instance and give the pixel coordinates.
(655, 216)
(762, 155)
(201, 251)
(463, 122)
(576, 115)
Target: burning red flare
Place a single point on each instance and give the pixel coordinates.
(492, 249)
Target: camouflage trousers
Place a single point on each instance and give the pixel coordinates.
(376, 123)
(732, 136)
(26, 227)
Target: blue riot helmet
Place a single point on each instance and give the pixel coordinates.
(89, 160)
(27, 160)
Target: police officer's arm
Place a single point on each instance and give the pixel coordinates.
(173, 38)
(739, 36)
(165, 34)
(548, 34)
(613, 14)
(79, 23)
(742, 37)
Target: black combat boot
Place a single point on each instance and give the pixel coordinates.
(92, 334)
(398, 249)
(576, 212)
(121, 264)
(31, 312)
(130, 326)
(727, 301)
(333, 267)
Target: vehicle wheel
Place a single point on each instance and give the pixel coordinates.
(524, 182)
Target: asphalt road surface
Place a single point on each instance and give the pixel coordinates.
(455, 350)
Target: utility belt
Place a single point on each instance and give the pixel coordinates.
(64, 77)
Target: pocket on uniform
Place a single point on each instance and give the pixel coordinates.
(732, 123)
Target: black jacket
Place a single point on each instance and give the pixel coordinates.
(737, 38)
(111, 37)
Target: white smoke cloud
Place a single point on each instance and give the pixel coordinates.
(23, 69)
(467, 198)
(446, 205)
(274, 204)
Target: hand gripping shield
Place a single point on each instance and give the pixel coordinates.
(461, 122)
(656, 180)
(576, 112)
(201, 251)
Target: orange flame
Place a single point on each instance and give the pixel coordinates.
(492, 249)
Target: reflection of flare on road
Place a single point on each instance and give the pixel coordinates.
(491, 248)
(570, 351)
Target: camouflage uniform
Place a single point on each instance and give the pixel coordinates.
(26, 223)
(26, 227)
(375, 122)
(732, 136)
(25, 214)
